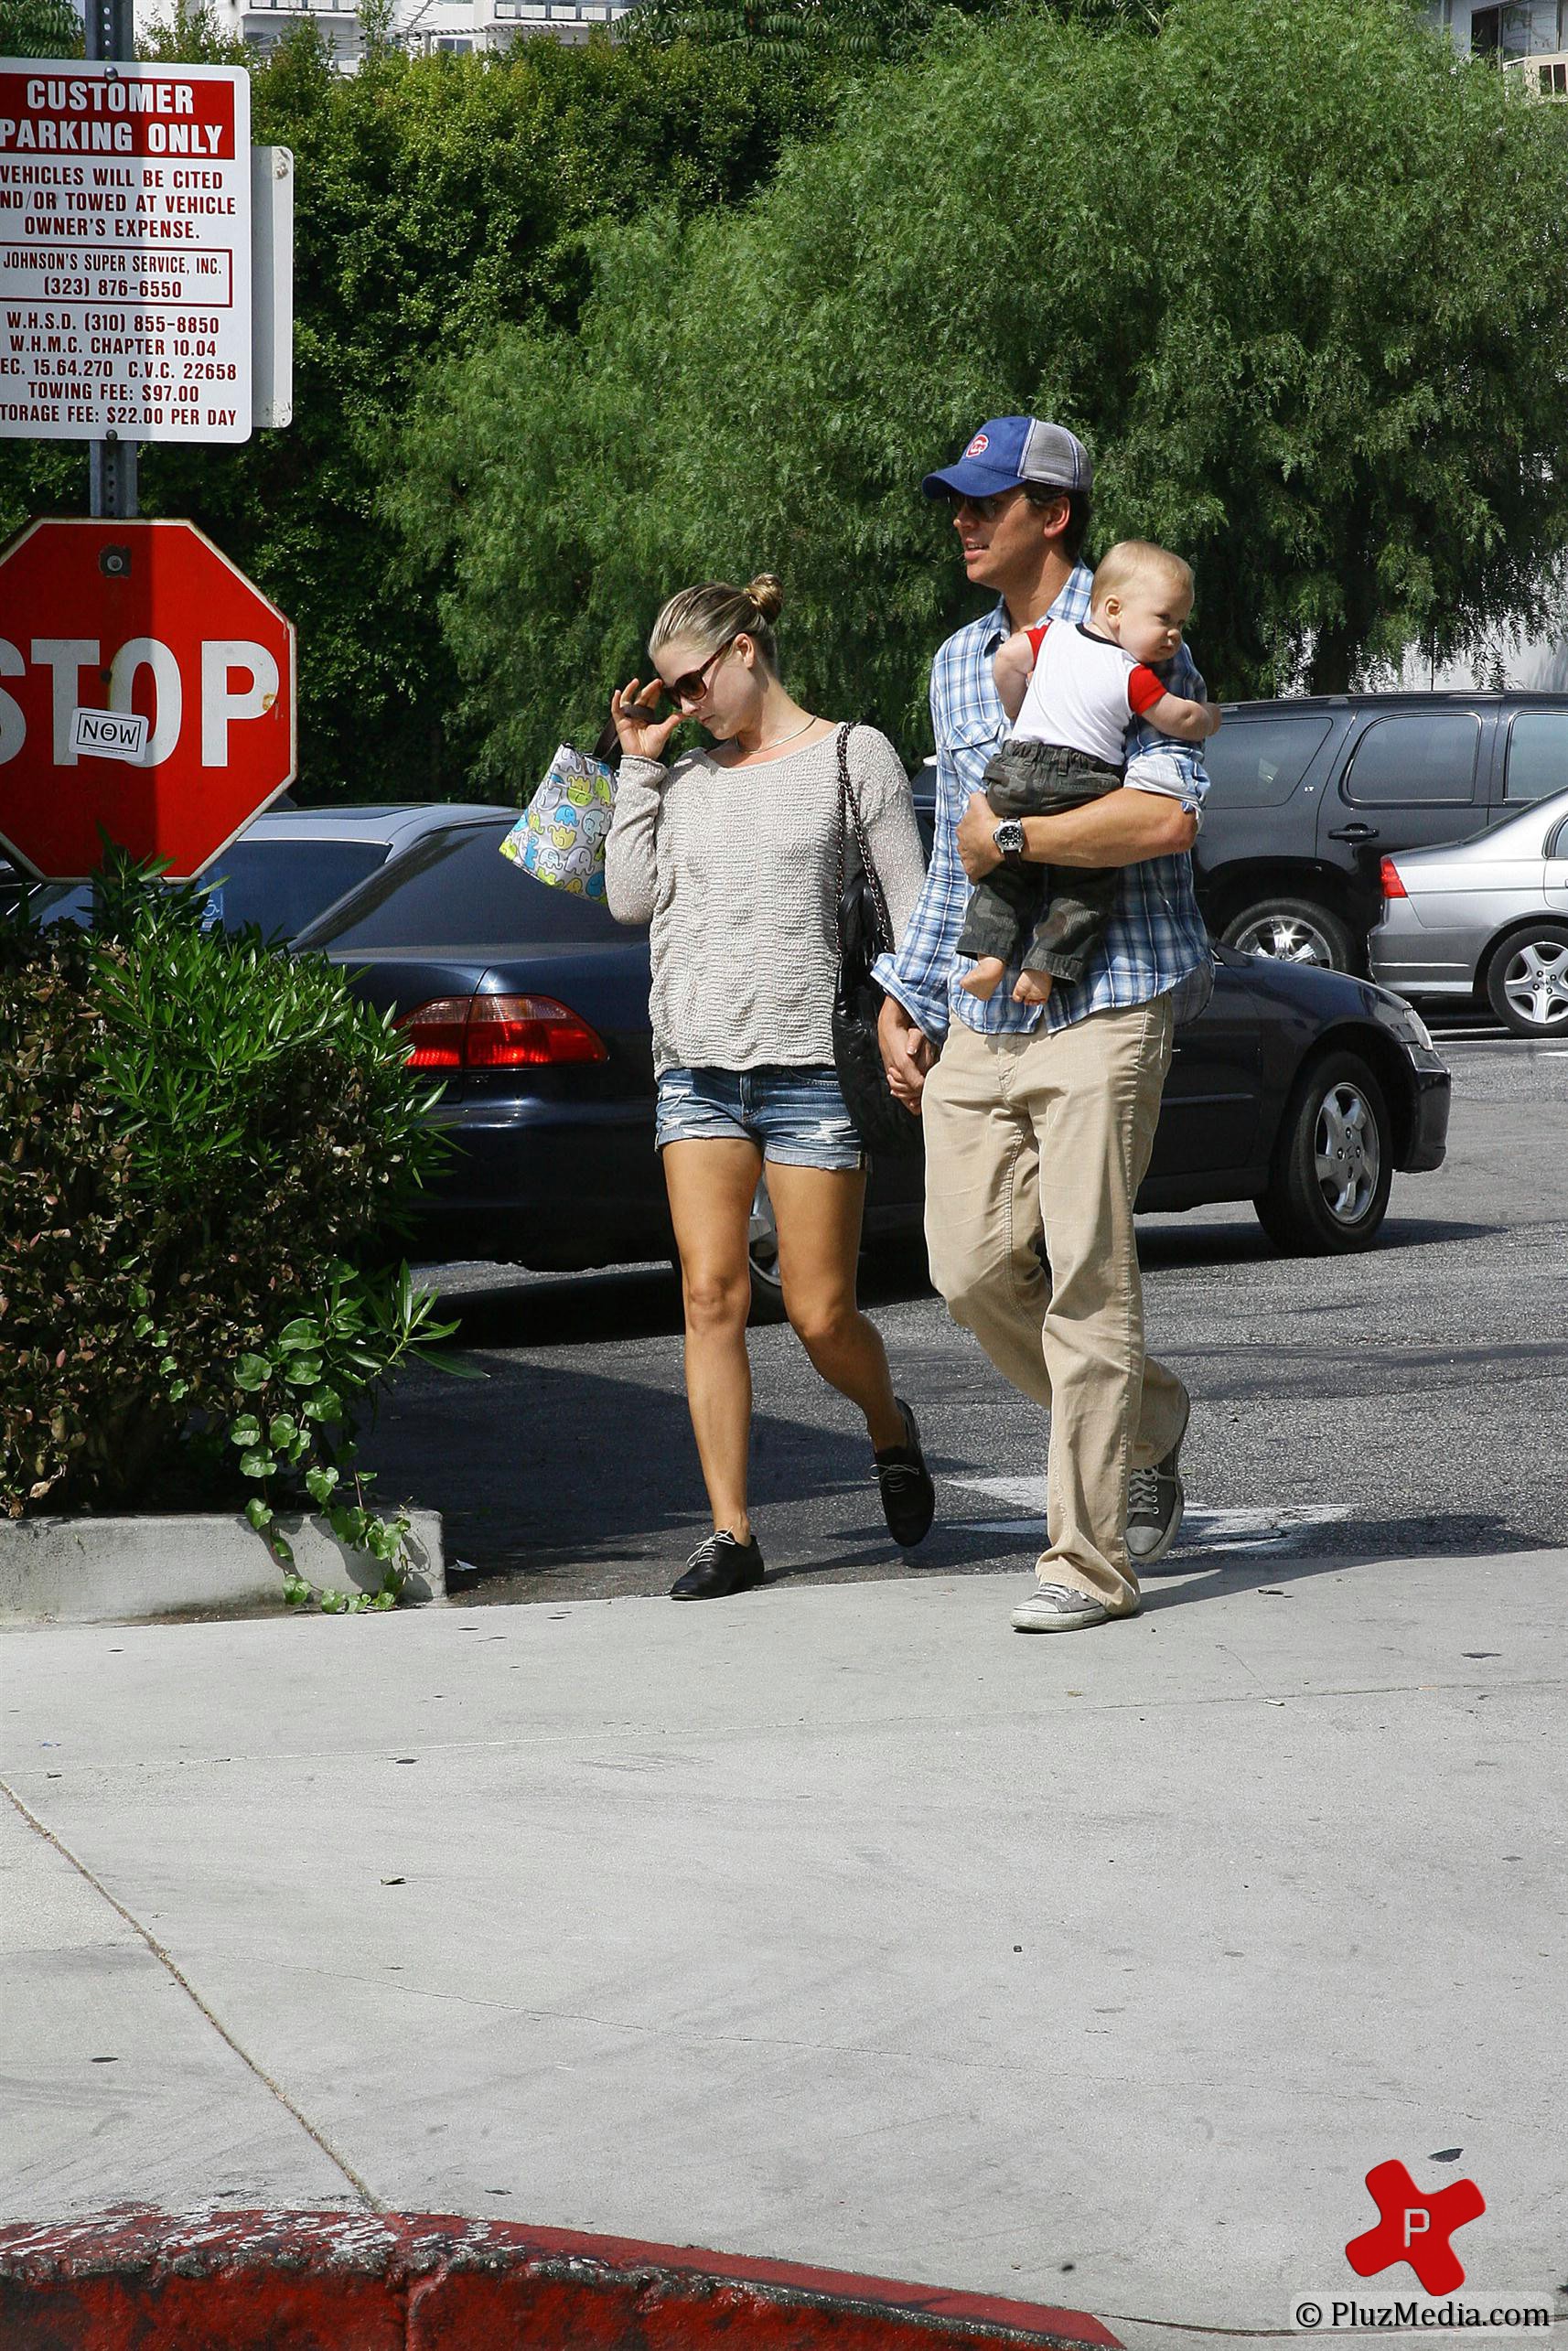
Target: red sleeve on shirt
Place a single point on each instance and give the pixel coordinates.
(1143, 688)
(1036, 637)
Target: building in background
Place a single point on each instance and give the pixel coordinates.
(1526, 37)
(461, 26)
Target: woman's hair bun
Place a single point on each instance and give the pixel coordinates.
(766, 597)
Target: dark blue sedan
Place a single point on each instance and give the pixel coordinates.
(1299, 1089)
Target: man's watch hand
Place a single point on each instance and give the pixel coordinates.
(1007, 839)
(978, 852)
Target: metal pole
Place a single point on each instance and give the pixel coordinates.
(110, 463)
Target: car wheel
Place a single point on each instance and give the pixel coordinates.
(1527, 980)
(762, 1247)
(1293, 930)
(1334, 1163)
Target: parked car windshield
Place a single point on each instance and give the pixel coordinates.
(279, 886)
(456, 889)
(1258, 762)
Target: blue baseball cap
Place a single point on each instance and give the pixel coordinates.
(1009, 450)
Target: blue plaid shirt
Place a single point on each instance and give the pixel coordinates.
(1156, 935)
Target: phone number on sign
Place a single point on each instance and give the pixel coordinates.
(113, 289)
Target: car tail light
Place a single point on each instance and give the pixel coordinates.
(498, 1033)
(1388, 879)
(437, 1032)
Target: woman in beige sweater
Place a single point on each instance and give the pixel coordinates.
(731, 858)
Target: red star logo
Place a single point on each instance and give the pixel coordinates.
(1415, 2229)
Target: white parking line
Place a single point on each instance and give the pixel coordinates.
(1271, 1528)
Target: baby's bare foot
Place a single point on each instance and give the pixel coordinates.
(986, 977)
(1031, 987)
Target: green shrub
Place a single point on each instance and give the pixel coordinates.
(208, 1147)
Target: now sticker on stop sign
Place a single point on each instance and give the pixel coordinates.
(144, 621)
(108, 735)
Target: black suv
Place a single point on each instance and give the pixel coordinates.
(1310, 794)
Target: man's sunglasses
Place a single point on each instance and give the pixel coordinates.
(694, 684)
(988, 509)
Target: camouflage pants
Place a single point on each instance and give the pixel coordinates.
(1048, 918)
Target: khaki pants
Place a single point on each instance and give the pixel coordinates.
(1049, 1134)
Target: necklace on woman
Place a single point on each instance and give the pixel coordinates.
(781, 739)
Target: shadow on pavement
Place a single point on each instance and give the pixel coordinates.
(644, 1301)
(1177, 1245)
(1335, 1546)
(554, 1480)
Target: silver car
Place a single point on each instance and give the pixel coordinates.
(1487, 916)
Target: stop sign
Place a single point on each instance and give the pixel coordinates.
(148, 621)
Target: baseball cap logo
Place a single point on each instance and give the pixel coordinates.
(978, 446)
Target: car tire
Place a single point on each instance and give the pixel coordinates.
(1293, 930)
(1527, 980)
(1334, 1163)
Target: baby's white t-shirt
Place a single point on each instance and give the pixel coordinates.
(1082, 693)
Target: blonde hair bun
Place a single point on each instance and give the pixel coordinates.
(766, 595)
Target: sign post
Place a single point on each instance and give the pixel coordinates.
(110, 29)
(147, 688)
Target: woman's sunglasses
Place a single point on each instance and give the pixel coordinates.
(694, 684)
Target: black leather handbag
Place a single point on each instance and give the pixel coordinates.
(865, 932)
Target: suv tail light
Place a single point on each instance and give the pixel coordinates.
(1389, 880)
(498, 1033)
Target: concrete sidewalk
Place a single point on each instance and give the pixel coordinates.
(842, 1926)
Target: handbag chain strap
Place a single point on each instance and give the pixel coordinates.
(849, 813)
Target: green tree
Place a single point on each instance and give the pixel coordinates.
(434, 198)
(40, 28)
(1293, 270)
(849, 31)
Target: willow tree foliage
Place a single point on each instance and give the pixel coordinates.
(1291, 268)
(40, 28)
(785, 31)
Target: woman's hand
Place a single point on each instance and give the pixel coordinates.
(642, 736)
(907, 1054)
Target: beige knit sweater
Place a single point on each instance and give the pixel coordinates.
(733, 869)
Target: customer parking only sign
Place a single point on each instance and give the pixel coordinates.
(125, 251)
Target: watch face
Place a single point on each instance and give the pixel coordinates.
(1010, 836)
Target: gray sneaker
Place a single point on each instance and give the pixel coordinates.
(1057, 1608)
(1155, 1503)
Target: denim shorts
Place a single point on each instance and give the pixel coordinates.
(796, 1116)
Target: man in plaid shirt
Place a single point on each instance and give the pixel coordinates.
(1039, 1118)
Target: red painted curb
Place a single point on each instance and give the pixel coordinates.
(142, 2281)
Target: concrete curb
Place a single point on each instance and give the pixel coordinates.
(348, 2281)
(133, 1569)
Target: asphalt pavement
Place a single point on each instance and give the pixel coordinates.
(1403, 1403)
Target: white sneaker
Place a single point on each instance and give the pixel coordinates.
(1057, 1608)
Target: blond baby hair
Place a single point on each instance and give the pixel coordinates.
(1133, 559)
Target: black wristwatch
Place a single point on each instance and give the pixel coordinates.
(1008, 836)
